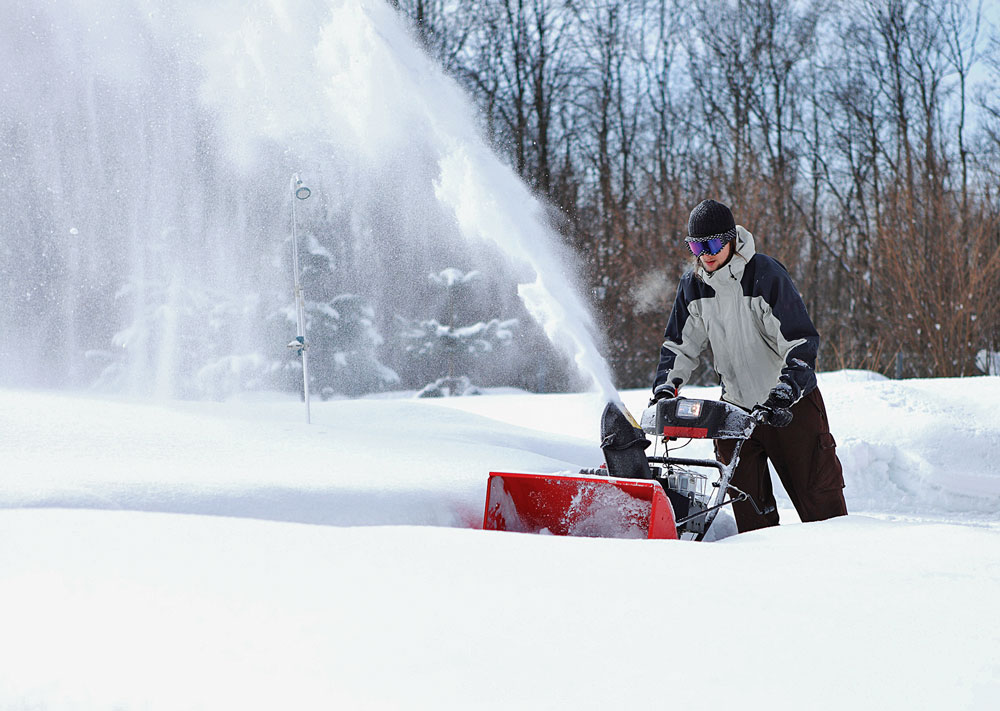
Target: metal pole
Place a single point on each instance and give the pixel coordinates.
(300, 192)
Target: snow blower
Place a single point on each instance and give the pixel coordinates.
(632, 495)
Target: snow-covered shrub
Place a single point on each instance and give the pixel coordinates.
(988, 362)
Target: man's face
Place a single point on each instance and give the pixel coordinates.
(711, 262)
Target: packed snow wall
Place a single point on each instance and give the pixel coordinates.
(145, 208)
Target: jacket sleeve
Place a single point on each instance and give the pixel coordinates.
(684, 339)
(788, 323)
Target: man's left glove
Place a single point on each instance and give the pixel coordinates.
(778, 405)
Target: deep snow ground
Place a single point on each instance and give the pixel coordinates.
(118, 591)
(130, 610)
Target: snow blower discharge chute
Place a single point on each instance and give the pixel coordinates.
(635, 495)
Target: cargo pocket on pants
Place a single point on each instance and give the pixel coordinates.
(827, 473)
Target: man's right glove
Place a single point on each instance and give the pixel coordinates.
(666, 390)
(777, 407)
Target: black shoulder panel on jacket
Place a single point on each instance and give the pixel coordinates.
(766, 277)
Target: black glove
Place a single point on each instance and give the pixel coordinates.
(777, 407)
(666, 390)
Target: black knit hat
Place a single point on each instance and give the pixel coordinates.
(711, 219)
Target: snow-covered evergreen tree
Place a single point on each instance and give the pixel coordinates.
(450, 345)
(181, 341)
(343, 343)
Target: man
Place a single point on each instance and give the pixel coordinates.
(745, 306)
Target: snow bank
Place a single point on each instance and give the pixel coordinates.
(920, 447)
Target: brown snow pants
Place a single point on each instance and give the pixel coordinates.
(804, 455)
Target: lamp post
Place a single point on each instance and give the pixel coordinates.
(300, 192)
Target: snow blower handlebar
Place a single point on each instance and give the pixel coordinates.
(678, 417)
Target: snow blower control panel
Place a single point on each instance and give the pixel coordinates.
(700, 419)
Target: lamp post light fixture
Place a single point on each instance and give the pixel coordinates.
(299, 346)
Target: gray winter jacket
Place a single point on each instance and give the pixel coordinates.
(753, 317)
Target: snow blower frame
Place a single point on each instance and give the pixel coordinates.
(632, 495)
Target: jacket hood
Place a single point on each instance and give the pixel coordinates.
(745, 249)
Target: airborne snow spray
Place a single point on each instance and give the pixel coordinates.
(213, 107)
